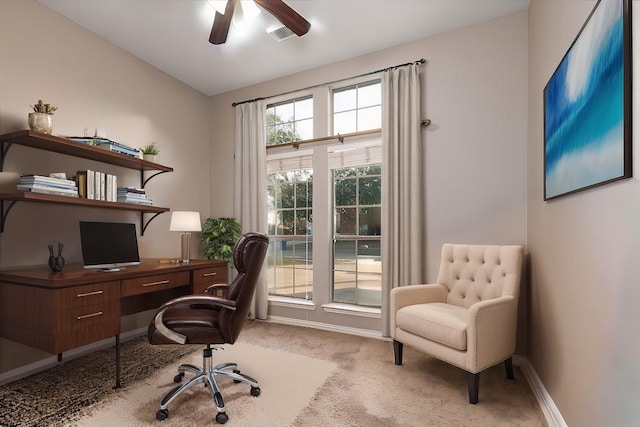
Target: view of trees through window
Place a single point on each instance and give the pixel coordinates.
(290, 121)
(357, 272)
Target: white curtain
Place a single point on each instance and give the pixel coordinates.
(402, 183)
(250, 185)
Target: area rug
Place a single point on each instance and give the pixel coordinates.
(62, 393)
(287, 380)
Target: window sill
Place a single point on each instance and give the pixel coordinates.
(354, 310)
(292, 302)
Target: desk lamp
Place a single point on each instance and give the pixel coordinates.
(185, 223)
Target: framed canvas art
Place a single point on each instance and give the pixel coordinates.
(587, 105)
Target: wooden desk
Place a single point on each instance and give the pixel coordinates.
(56, 312)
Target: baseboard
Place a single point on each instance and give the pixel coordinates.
(327, 327)
(26, 370)
(547, 405)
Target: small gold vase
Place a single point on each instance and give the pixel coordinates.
(41, 122)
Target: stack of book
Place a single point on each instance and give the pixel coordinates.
(133, 195)
(107, 144)
(47, 185)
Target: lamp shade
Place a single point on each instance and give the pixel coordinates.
(185, 221)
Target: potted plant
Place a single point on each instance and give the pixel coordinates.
(219, 236)
(41, 119)
(150, 151)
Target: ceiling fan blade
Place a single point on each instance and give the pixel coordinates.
(289, 17)
(221, 24)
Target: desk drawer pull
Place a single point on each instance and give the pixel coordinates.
(209, 274)
(159, 282)
(88, 294)
(99, 313)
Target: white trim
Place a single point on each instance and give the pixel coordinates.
(353, 310)
(547, 405)
(367, 333)
(292, 302)
(40, 365)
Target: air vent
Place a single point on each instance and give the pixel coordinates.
(280, 33)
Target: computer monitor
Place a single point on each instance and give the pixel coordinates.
(108, 246)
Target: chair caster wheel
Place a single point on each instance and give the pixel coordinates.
(222, 418)
(178, 378)
(255, 391)
(236, 371)
(162, 414)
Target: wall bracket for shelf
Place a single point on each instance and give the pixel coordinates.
(143, 224)
(143, 181)
(4, 149)
(5, 213)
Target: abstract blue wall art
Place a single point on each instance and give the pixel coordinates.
(587, 106)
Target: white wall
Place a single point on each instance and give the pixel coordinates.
(474, 89)
(584, 256)
(44, 55)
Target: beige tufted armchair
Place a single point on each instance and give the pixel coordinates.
(468, 318)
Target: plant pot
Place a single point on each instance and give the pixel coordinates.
(149, 157)
(41, 122)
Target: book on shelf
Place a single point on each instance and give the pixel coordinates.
(121, 150)
(30, 177)
(48, 190)
(135, 200)
(132, 190)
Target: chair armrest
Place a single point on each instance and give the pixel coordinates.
(209, 301)
(222, 287)
(417, 294)
(413, 294)
(491, 331)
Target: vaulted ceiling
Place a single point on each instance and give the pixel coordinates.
(172, 35)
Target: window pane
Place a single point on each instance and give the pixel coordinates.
(370, 118)
(369, 191)
(344, 122)
(369, 221)
(303, 225)
(344, 99)
(345, 192)
(345, 221)
(290, 268)
(284, 112)
(304, 129)
(370, 94)
(286, 199)
(304, 108)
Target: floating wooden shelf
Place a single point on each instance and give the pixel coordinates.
(56, 144)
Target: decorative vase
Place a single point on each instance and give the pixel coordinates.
(149, 157)
(56, 263)
(41, 122)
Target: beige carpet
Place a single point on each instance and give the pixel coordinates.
(314, 378)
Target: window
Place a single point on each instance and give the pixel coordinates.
(289, 210)
(357, 108)
(290, 121)
(335, 261)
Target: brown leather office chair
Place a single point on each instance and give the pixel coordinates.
(210, 320)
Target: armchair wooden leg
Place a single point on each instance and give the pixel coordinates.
(473, 383)
(508, 366)
(397, 352)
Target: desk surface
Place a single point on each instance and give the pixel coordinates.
(76, 274)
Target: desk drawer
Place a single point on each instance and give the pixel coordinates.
(82, 296)
(83, 317)
(154, 283)
(205, 277)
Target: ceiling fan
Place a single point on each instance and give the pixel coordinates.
(285, 14)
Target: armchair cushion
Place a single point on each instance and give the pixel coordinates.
(439, 322)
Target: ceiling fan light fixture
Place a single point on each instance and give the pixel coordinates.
(280, 32)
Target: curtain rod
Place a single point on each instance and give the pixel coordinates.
(418, 62)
